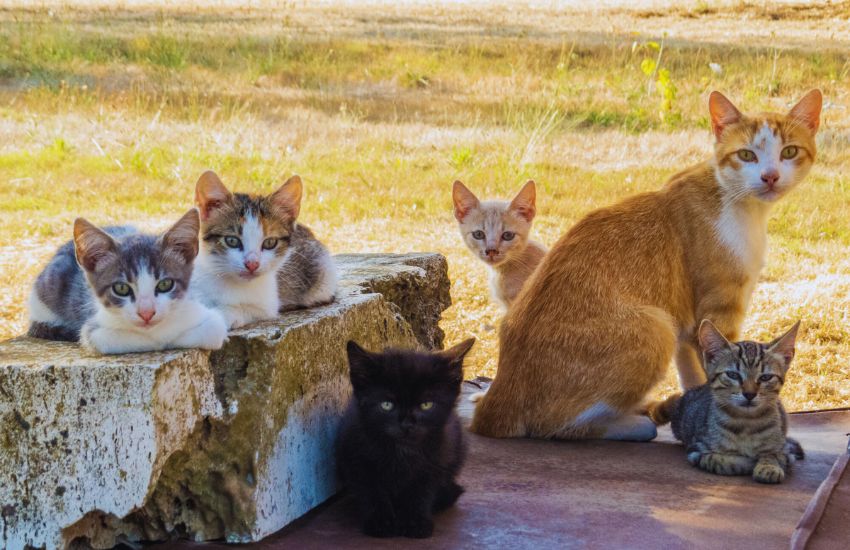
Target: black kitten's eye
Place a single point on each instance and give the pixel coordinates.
(426, 406)
(478, 235)
(734, 375)
(508, 235)
(765, 378)
(121, 289)
(269, 243)
(387, 406)
(165, 285)
(232, 242)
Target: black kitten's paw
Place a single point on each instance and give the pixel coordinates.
(419, 528)
(379, 526)
(447, 496)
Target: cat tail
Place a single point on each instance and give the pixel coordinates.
(661, 412)
(46, 331)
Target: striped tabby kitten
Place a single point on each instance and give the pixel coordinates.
(255, 260)
(497, 233)
(735, 424)
(119, 291)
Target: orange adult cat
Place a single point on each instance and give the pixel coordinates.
(620, 294)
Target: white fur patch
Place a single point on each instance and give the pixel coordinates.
(325, 288)
(598, 413)
(39, 312)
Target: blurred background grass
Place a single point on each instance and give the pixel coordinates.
(112, 111)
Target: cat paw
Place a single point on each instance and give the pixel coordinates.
(447, 496)
(768, 473)
(725, 465)
(419, 528)
(379, 526)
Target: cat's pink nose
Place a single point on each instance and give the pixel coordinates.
(146, 314)
(770, 178)
(252, 265)
(491, 252)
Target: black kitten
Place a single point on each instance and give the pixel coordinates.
(401, 445)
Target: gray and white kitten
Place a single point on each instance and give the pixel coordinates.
(735, 423)
(118, 291)
(497, 233)
(255, 259)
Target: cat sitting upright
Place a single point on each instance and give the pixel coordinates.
(735, 423)
(119, 291)
(400, 445)
(497, 233)
(255, 259)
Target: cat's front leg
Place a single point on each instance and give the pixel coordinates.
(770, 468)
(112, 341)
(210, 332)
(415, 514)
(379, 517)
(724, 464)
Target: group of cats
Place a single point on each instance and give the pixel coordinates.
(590, 325)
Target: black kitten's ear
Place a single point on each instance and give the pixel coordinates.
(456, 353)
(361, 363)
(785, 344)
(711, 341)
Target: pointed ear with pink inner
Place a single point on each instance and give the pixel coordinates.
(464, 200)
(807, 110)
(723, 113)
(524, 203)
(287, 199)
(210, 193)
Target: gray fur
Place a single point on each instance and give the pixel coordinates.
(303, 271)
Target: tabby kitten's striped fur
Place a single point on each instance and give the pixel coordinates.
(735, 423)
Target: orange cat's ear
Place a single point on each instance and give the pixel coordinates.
(287, 199)
(785, 344)
(711, 340)
(723, 113)
(523, 203)
(464, 200)
(807, 110)
(210, 193)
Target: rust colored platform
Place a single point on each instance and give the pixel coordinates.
(601, 494)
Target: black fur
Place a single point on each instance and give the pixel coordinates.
(401, 464)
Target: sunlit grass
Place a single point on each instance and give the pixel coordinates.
(112, 115)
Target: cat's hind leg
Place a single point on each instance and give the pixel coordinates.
(447, 495)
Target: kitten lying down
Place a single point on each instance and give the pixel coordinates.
(119, 291)
(735, 423)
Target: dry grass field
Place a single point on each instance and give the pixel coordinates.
(112, 113)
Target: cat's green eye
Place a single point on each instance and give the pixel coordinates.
(232, 242)
(765, 377)
(508, 236)
(734, 375)
(427, 405)
(789, 152)
(165, 285)
(478, 235)
(121, 289)
(387, 406)
(746, 155)
(269, 243)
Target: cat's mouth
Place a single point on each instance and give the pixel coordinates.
(249, 275)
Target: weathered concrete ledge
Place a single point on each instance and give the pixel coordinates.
(235, 443)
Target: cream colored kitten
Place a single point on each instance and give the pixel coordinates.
(497, 233)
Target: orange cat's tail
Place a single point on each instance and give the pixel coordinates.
(661, 411)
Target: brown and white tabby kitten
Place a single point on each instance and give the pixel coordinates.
(735, 423)
(255, 259)
(620, 294)
(497, 233)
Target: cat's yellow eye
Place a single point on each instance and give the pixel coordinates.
(746, 155)
(387, 406)
(165, 285)
(789, 152)
(269, 243)
(427, 405)
(121, 289)
(478, 235)
(232, 242)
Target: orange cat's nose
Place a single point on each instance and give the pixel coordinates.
(491, 253)
(770, 178)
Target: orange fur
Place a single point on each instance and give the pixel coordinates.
(623, 291)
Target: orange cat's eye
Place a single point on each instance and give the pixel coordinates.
(789, 152)
(746, 155)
